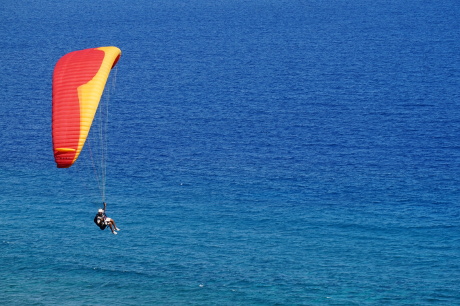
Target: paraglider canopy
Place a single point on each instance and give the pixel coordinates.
(79, 79)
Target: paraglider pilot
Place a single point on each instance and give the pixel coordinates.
(102, 221)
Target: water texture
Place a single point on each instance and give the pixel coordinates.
(260, 153)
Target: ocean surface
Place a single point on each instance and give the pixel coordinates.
(260, 152)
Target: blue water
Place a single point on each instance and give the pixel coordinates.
(261, 152)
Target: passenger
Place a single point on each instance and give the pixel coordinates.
(102, 221)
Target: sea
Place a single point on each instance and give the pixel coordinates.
(259, 152)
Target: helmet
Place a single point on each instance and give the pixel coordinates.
(100, 210)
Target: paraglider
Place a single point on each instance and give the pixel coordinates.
(79, 79)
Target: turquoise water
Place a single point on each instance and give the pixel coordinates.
(260, 153)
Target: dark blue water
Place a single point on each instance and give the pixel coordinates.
(260, 153)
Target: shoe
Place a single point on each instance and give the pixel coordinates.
(116, 228)
(115, 233)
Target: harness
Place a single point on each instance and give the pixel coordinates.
(100, 221)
